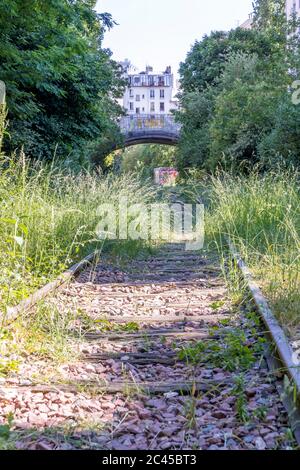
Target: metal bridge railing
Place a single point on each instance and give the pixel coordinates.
(146, 122)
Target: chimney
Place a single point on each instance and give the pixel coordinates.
(168, 70)
(149, 69)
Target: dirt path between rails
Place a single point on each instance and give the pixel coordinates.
(157, 358)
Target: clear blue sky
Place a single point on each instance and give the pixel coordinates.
(160, 32)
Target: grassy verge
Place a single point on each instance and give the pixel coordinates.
(48, 220)
(261, 214)
(2, 122)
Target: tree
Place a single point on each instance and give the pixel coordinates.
(270, 16)
(144, 158)
(195, 117)
(2, 111)
(207, 58)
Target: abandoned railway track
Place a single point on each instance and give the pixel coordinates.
(156, 357)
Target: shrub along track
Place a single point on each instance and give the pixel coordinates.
(157, 357)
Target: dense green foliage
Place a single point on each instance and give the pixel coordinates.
(236, 104)
(61, 84)
(206, 60)
(261, 215)
(2, 123)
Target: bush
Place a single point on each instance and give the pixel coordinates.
(62, 85)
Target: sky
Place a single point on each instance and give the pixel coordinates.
(161, 32)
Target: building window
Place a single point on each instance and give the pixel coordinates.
(162, 107)
(143, 97)
(162, 93)
(137, 111)
(152, 93)
(131, 106)
(131, 93)
(136, 80)
(152, 107)
(137, 98)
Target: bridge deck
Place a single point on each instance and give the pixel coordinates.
(160, 129)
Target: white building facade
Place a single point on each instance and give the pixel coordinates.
(149, 92)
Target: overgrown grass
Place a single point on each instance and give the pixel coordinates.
(48, 220)
(261, 215)
(2, 122)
